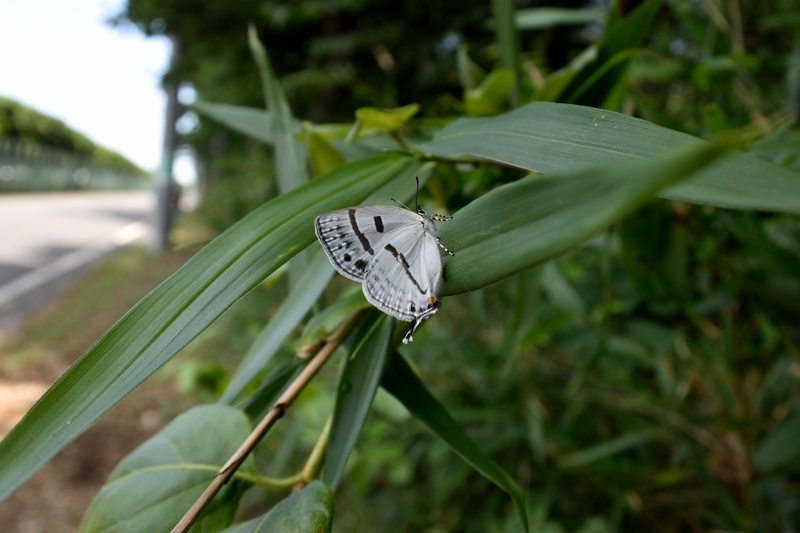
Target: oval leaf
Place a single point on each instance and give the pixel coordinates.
(311, 509)
(154, 485)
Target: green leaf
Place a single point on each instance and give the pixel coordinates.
(357, 386)
(386, 120)
(310, 510)
(290, 155)
(158, 482)
(301, 297)
(561, 294)
(323, 156)
(470, 73)
(255, 123)
(507, 36)
(598, 83)
(326, 321)
(781, 446)
(490, 96)
(546, 137)
(249, 121)
(527, 222)
(556, 82)
(269, 388)
(609, 448)
(401, 381)
(179, 309)
(548, 17)
(654, 256)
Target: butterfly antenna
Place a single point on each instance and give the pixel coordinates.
(399, 202)
(417, 200)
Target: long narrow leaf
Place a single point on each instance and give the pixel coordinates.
(290, 157)
(178, 310)
(249, 121)
(546, 137)
(401, 381)
(525, 223)
(508, 41)
(302, 296)
(357, 387)
(598, 82)
(548, 17)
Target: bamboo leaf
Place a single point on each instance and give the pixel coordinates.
(546, 137)
(357, 387)
(401, 381)
(290, 154)
(508, 41)
(301, 297)
(527, 222)
(249, 121)
(609, 448)
(599, 82)
(547, 17)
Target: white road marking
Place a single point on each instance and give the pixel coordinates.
(72, 261)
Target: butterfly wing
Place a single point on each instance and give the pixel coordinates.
(405, 273)
(350, 237)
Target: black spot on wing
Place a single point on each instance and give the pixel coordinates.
(361, 265)
(378, 223)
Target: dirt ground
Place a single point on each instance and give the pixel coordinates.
(55, 499)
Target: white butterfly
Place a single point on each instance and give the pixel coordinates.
(392, 251)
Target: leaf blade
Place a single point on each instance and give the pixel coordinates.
(401, 381)
(357, 387)
(153, 486)
(547, 137)
(524, 223)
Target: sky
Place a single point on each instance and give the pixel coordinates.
(62, 59)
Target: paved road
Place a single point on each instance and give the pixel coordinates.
(47, 240)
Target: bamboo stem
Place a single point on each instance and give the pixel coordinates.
(277, 411)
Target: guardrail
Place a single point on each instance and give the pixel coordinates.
(25, 167)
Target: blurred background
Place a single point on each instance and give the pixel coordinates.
(661, 408)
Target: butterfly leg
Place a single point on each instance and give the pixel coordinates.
(433, 306)
(443, 247)
(442, 218)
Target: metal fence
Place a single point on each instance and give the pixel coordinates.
(26, 167)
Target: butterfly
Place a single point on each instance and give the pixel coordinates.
(394, 253)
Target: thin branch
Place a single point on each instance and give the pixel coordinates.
(277, 411)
